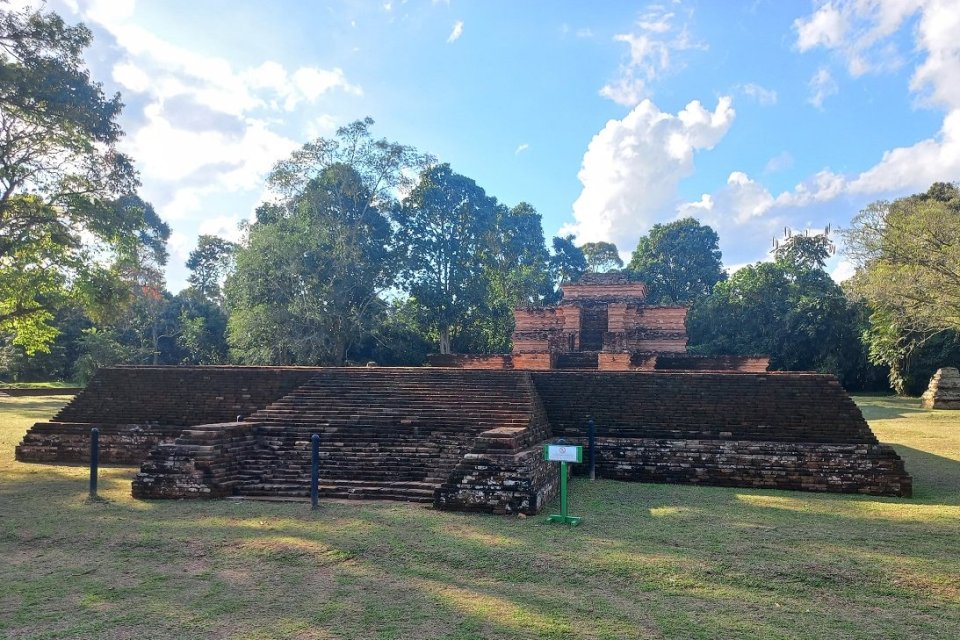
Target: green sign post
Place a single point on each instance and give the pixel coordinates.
(563, 453)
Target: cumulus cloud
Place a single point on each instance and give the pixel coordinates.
(858, 30)
(203, 131)
(456, 32)
(632, 167)
(651, 43)
(934, 79)
(826, 28)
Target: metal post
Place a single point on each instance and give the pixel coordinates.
(592, 442)
(315, 471)
(564, 515)
(94, 460)
(563, 491)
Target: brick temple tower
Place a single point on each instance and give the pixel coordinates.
(604, 323)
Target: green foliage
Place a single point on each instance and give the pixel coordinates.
(209, 264)
(567, 262)
(202, 330)
(307, 282)
(679, 261)
(601, 256)
(907, 254)
(446, 231)
(65, 190)
(397, 340)
(788, 310)
(806, 251)
(911, 357)
(55, 364)
(100, 349)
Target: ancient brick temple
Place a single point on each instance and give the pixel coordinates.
(602, 323)
(464, 439)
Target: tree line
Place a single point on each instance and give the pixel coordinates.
(374, 251)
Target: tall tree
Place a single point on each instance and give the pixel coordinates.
(209, 264)
(907, 254)
(447, 231)
(679, 261)
(787, 309)
(601, 256)
(307, 282)
(516, 274)
(306, 285)
(567, 262)
(62, 180)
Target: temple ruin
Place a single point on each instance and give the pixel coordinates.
(468, 432)
(602, 323)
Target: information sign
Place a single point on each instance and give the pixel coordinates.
(563, 453)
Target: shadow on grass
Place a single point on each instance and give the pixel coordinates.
(887, 407)
(45, 406)
(650, 561)
(935, 478)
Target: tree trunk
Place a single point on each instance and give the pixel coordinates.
(156, 344)
(444, 340)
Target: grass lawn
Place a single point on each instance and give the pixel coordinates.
(649, 561)
(55, 384)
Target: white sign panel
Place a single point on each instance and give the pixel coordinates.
(564, 453)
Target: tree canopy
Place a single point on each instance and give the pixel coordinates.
(601, 256)
(907, 255)
(446, 228)
(789, 309)
(679, 261)
(66, 193)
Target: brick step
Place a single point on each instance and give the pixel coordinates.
(386, 491)
(439, 422)
(428, 410)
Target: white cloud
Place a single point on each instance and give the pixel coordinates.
(521, 148)
(227, 227)
(779, 162)
(913, 167)
(765, 97)
(822, 85)
(322, 125)
(632, 167)
(844, 270)
(456, 32)
(858, 31)
(207, 130)
(826, 27)
(651, 45)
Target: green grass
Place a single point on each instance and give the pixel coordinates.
(649, 561)
(53, 384)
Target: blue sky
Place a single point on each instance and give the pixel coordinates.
(607, 117)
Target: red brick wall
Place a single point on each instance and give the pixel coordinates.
(626, 290)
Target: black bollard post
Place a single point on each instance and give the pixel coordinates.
(94, 460)
(315, 471)
(591, 442)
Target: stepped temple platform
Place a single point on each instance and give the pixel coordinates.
(464, 439)
(602, 323)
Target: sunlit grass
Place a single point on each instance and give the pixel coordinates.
(649, 561)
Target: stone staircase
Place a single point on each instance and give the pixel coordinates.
(384, 433)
